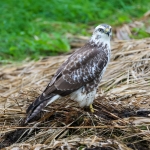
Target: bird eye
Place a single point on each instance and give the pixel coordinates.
(101, 30)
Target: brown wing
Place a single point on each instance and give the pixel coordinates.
(84, 66)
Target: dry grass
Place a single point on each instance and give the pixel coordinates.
(132, 30)
(122, 108)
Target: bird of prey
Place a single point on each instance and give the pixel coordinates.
(80, 75)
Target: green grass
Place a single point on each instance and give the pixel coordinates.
(31, 28)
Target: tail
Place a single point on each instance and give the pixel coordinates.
(39, 104)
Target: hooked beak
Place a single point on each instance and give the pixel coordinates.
(108, 31)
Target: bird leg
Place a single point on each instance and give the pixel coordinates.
(91, 108)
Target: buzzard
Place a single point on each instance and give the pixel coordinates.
(80, 75)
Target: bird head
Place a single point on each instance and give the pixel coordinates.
(102, 33)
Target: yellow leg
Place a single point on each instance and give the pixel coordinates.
(91, 108)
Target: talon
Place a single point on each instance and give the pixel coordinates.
(91, 108)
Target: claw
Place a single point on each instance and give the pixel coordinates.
(91, 108)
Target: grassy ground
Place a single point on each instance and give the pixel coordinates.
(38, 28)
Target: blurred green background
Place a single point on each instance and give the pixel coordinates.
(34, 28)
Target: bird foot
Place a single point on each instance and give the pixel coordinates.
(91, 108)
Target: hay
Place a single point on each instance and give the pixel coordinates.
(122, 108)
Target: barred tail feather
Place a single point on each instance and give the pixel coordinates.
(38, 105)
(35, 111)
